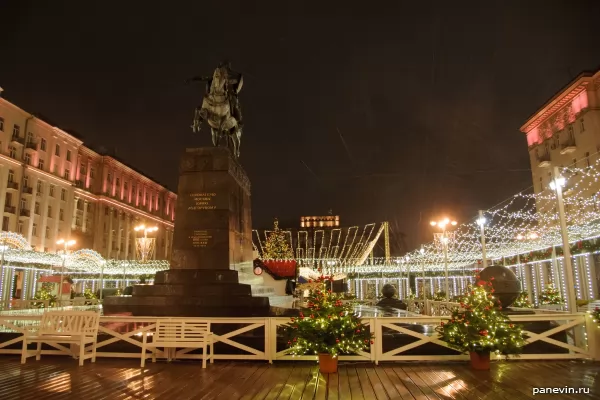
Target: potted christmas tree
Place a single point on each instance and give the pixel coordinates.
(550, 299)
(327, 327)
(481, 327)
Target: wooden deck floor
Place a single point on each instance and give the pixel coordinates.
(61, 378)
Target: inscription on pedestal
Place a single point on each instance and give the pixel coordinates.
(200, 238)
(202, 201)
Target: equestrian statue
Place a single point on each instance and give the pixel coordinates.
(221, 107)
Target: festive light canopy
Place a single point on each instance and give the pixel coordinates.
(526, 222)
(14, 240)
(85, 260)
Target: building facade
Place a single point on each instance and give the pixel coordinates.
(565, 131)
(53, 187)
(324, 221)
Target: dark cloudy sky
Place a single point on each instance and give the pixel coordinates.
(393, 110)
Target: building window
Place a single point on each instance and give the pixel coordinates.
(36, 209)
(77, 220)
(61, 214)
(109, 177)
(68, 155)
(39, 187)
(26, 181)
(5, 222)
(571, 137)
(29, 139)
(11, 175)
(1, 124)
(51, 191)
(57, 150)
(49, 211)
(67, 174)
(581, 125)
(106, 211)
(16, 131)
(34, 230)
(23, 204)
(12, 151)
(20, 227)
(43, 144)
(587, 159)
(27, 158)
(118, 183)
(92, 173)
(41, 164)
(63, 194)
(47, 232)
(82, 170)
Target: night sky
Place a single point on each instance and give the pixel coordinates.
(378, 110)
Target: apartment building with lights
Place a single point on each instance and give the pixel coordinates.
(52, 186)
(323, 221)
(566, 130)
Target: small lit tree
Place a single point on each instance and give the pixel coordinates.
(550, 295)
(522, 301)
(481, 327)
(327, 326)
(276, 245)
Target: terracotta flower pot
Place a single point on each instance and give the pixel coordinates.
(480, 361)
(327, 363)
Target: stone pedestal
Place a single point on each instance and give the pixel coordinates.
(211, 241)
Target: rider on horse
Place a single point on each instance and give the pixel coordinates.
(221, 106)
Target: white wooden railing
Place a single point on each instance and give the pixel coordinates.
(396, 339)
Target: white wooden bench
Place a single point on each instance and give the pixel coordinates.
(180, 333)
(74, 327)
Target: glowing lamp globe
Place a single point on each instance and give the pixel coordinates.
(505, 283)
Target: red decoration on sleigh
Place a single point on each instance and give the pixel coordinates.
(281, 268)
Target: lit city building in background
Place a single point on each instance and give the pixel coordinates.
(53, 186)
(565, 131)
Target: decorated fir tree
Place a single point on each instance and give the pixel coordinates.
(596, 315)
(522, 301)
(276, 246)
(550, 295)
(45, 293)
(439, 296)
(481, 327)
(327, 325)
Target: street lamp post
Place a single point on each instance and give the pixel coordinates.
(145, 249)
(66, 244)
(442, 224)
(557, 184)
(481, 222)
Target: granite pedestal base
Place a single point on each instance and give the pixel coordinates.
(191, 293)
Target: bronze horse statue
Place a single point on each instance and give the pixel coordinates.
(220, 107)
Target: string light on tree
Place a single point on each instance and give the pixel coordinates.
(327, 325)
(276, 246)
(481, 326)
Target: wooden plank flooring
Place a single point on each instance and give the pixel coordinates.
(61, 378)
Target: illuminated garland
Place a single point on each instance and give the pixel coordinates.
(327, 325)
